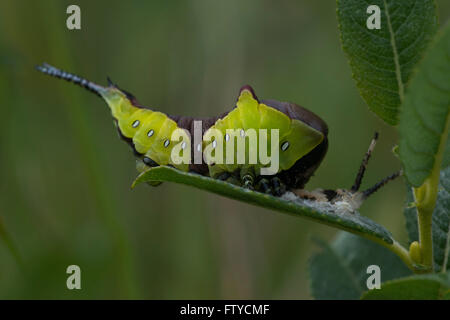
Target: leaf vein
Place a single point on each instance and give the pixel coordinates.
(394, 50)
(347, 268)
(409, 15)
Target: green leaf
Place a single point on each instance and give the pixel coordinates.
(382, 60)
(425, 113)
(340, 270)
(352, 222)
(440, 223)
(419, 287)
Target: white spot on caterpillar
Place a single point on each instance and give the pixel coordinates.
(285, 146)
(150, 133)
(242, 133)
(214, 144)
(227, 137)
(135, 123)
(183, 145)
(166, 143)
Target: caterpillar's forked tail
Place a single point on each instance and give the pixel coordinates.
(55, 72)
(363, 167)
(381, 183)
(118, 100)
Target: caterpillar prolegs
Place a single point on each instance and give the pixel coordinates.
(275, 146)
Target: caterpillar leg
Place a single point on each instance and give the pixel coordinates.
(247, 177)
(270, 185)
(230, 177)
(224, 176)
(263, 185)
(278, 187)
(234, 180)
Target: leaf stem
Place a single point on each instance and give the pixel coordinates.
(399, 250)
(403, 254)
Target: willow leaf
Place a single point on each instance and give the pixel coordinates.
(418, 287)
(339, 271)
(424, 120)
(382, 60)
(351, 222)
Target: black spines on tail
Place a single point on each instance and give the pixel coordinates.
(55, 72)
(362, 168)
(378, 185)
(129, 95)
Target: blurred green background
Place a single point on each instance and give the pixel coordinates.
(65, 193)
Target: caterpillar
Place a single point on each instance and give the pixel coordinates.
(295, 135)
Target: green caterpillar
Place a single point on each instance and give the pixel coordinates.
(298, 144)
(301, 145)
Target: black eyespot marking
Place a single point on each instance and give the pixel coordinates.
(150, 133)
(135, 123)
(284, 146)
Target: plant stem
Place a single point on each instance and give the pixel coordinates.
(424, 218)
(425, 198)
